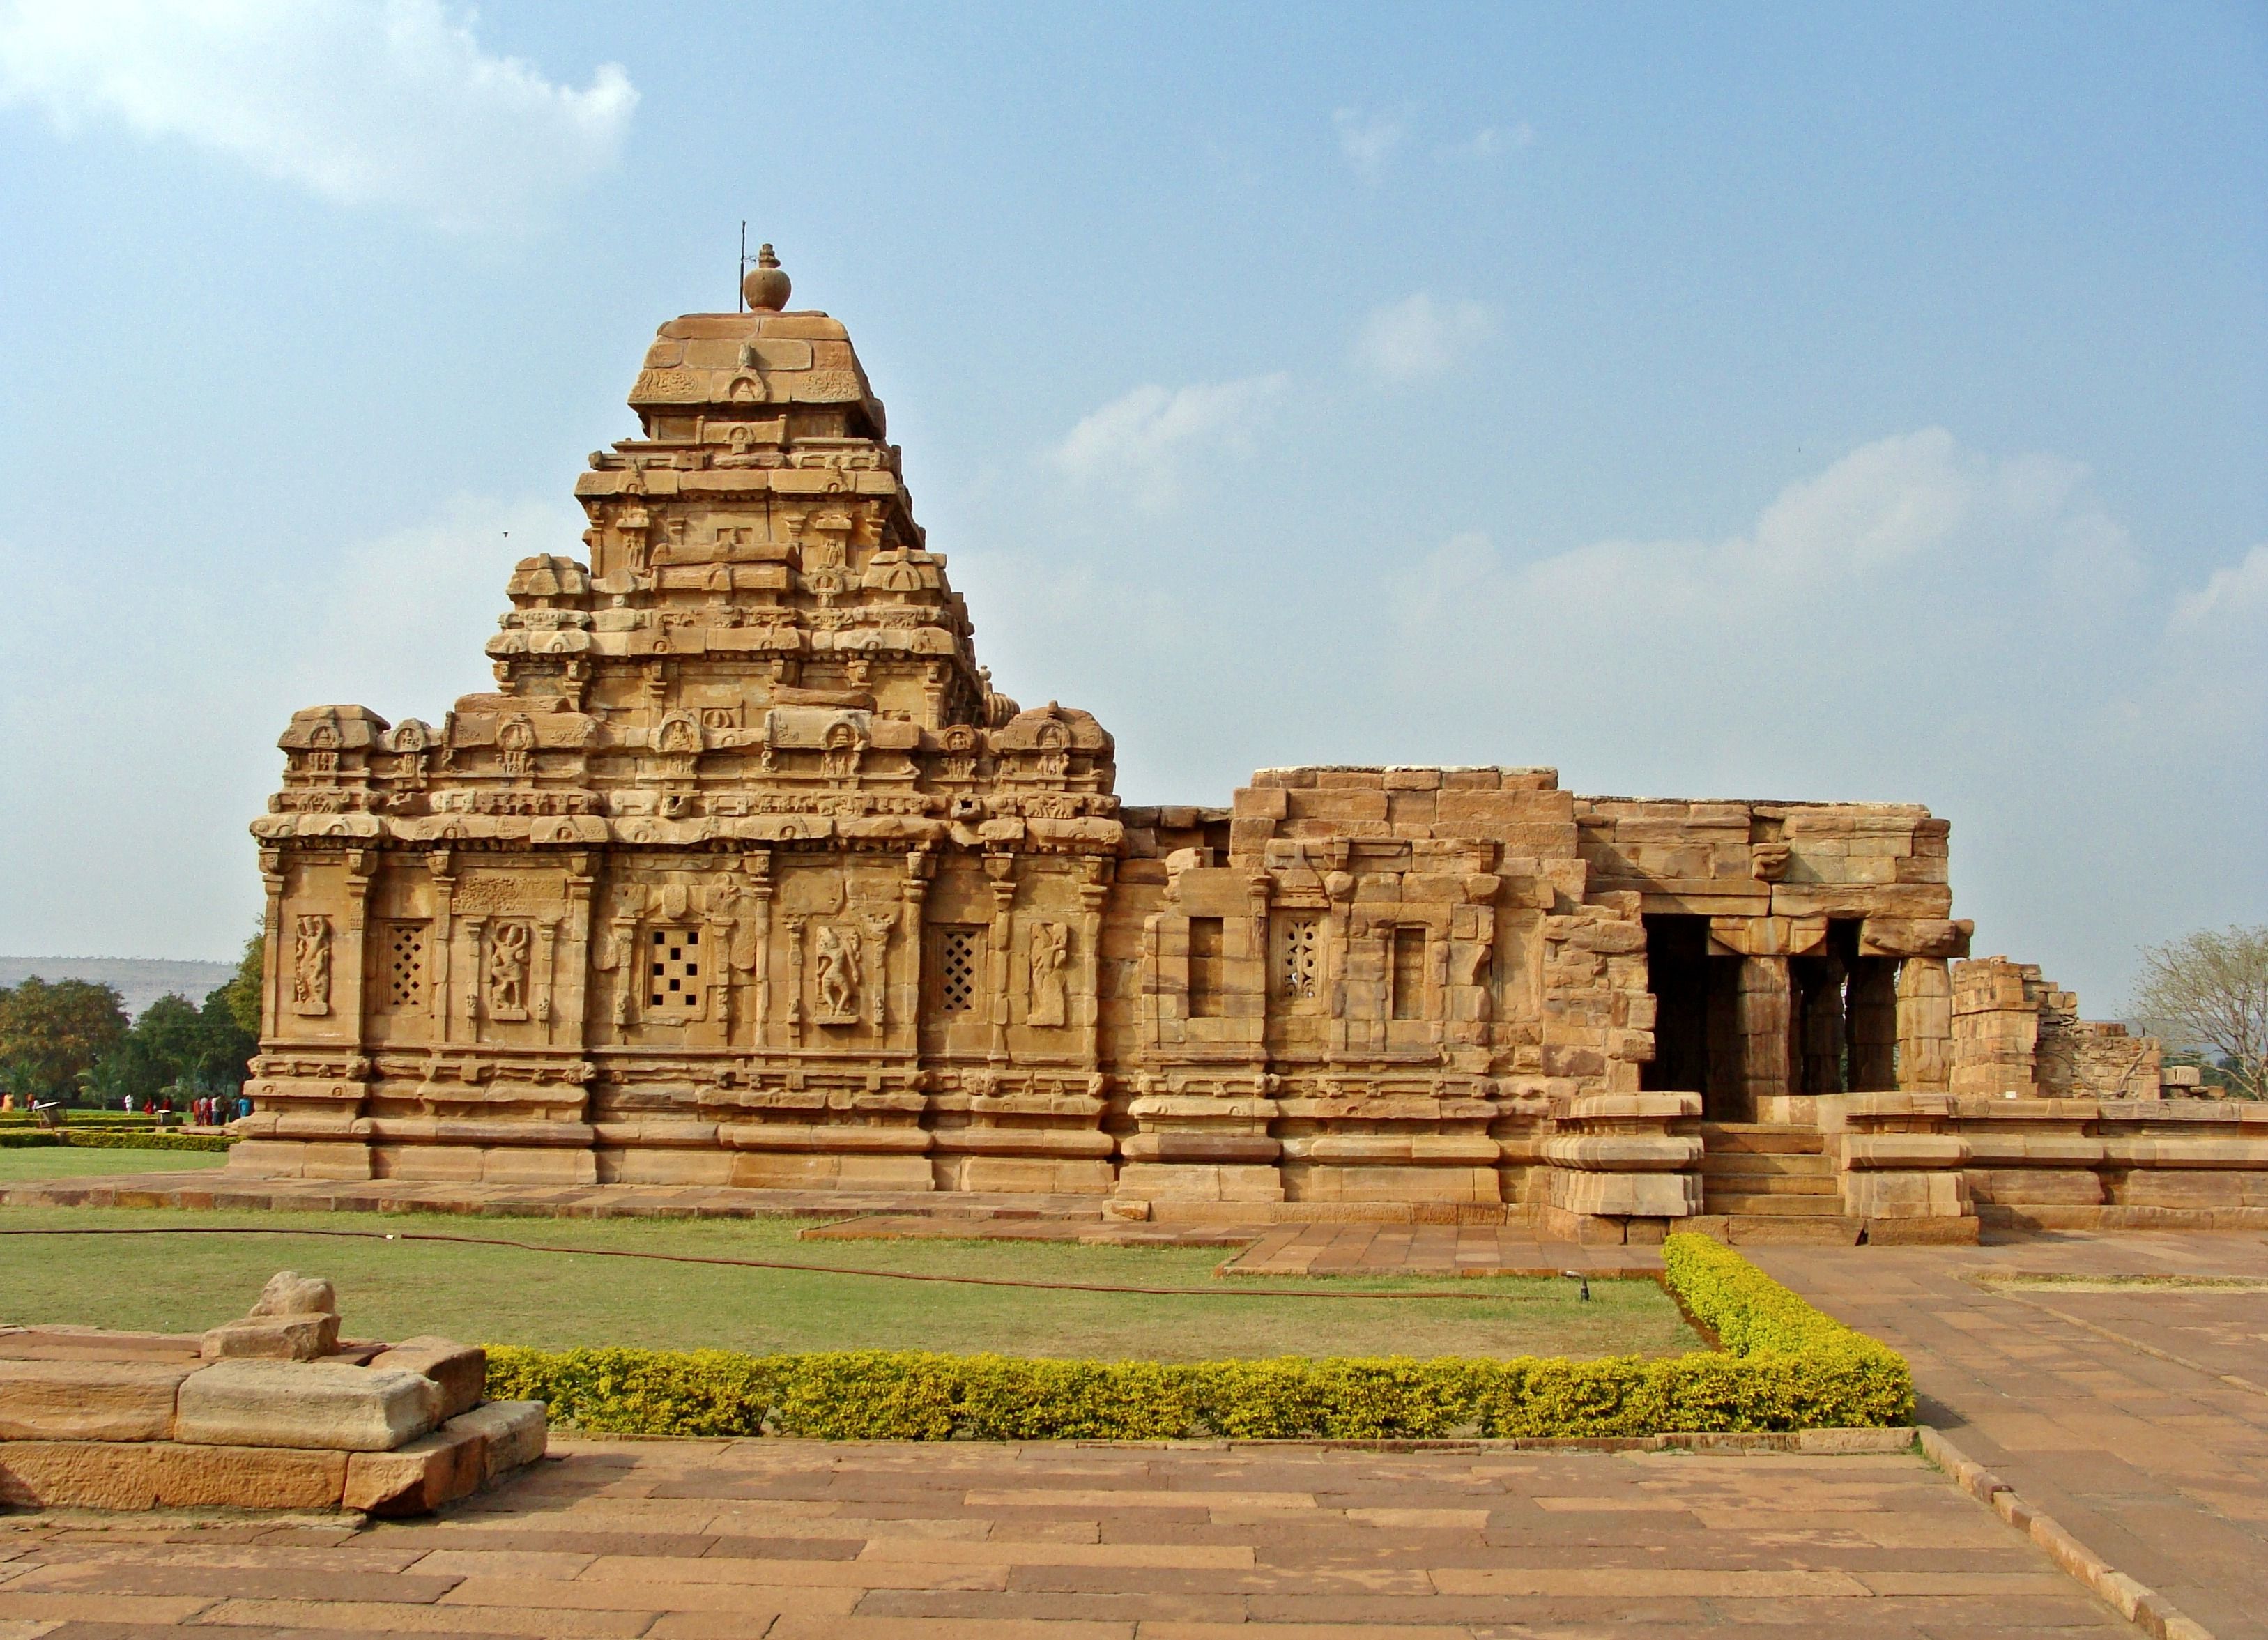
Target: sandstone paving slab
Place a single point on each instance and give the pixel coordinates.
(121, 1577)
(299, 1616)
(1056, 1541)
(2158, 1466)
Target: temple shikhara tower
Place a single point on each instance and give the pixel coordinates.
(745, 874)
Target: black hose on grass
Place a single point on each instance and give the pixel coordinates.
(771, 1264)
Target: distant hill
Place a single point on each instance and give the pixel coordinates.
(140, 981)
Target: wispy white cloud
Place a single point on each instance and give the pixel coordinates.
(1368, 141)
(1418, 336)
(1493, 142)
(2234, 601)
(1911, 522)
(367, 102)
(1142, 442)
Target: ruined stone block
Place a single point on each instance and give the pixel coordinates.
(88, 1401)
(315, 1404)
(459, 1371)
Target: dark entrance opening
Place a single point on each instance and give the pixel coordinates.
(1846, 1017)
(1677, 973)
(1697, 1044)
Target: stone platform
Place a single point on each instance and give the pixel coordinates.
(791, 1540)
(205, 1190)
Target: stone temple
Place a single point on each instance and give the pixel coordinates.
(745, 875)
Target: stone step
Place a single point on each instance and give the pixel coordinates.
(1760, 1138)
(1770, 1184)
(1772, 1206)
(1743, 1230)
(1766, 1165)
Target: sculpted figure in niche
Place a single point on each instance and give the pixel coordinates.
(516, 741)
(311, 964)
(839, 753)
(838, 971)
(1051, 943)
(508, 950)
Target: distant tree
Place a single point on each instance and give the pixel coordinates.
(2212, 989)
(226, 1044)
(176, 1048)
(50, 1033)
(243, 992)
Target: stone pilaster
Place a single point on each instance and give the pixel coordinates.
(1924, 1018)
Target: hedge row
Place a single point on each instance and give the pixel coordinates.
(1783, 1366)
(93, 1140)
(79, 1115)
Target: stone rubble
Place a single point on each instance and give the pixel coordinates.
(96, 1419)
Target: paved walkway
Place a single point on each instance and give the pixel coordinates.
(791, 1540)
(2158, 1467)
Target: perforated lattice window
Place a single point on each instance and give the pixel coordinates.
(959, 956)
(405, 966)
(674, 973)
(1301, 963)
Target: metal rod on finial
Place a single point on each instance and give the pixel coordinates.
(742, 306)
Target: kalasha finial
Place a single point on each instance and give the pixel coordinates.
(765, 285)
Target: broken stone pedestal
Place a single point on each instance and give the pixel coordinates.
(269, 1412)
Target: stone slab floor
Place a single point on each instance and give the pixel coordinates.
(1084, 1542)
(2159, 1465)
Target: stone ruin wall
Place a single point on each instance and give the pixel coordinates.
(745, 874)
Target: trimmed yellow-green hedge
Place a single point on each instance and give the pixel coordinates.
(1783, 1365)
(84, 1139)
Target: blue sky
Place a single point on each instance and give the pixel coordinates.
(1844, 402)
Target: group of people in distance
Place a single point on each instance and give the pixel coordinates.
(204, 1111)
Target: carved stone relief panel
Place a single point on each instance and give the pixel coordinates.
(838, 979)
(511, 946)
(498, 894)
(1047, 947)
(311, 964)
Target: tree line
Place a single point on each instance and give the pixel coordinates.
(70, 1040)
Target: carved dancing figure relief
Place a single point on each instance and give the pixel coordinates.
(311, 964)
(508, 958)
(1051, 943)
(838, 974)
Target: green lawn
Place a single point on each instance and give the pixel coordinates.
(499, 1294)
(41, 1161)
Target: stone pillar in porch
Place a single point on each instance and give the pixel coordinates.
(1764, 1010)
